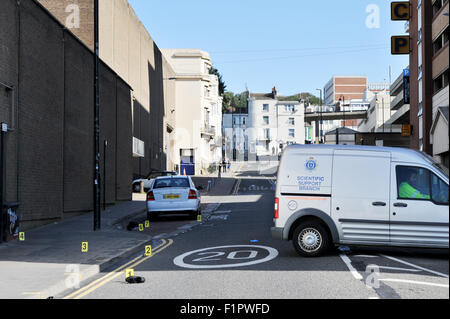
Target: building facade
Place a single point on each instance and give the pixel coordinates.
(127, 47)
(344, 87)
(429, 64)
(198, 115)
(378, 115)
(274, 124)
(235, 129)
(47, 101)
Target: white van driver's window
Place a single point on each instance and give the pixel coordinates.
(413, 182)
(439, 190)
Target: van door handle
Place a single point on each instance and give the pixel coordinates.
(400, 205)
(379, 204)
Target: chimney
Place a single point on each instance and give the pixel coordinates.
(274, 92)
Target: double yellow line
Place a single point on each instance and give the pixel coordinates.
(82, 292)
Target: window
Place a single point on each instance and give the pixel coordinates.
(291, 133)
(440, 82)
(413, 183)
(440, 41)
(266, 120)
(439, 190)
(267, 133)
(437, 5)
(289, 108)
(265, 107)
(171, 182)
(291, 121)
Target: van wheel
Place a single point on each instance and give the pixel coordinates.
(311, 239)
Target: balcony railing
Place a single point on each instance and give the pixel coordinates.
(208, 130)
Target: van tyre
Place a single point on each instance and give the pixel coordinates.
(311, 239)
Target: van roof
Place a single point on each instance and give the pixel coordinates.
(397, 153)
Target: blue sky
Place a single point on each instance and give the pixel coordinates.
(295, 45)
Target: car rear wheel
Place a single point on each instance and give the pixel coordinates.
(311, 239)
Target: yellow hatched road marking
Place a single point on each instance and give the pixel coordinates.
(113, 274)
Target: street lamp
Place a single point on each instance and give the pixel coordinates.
(342, 99)
(321, 119)
(96, 186)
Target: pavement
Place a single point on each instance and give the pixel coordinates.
(50, 260)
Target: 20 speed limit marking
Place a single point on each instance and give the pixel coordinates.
(226, 256)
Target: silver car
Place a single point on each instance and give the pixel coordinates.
(173, 194)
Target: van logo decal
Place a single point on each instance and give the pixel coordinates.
(311, 164)
(292, 205)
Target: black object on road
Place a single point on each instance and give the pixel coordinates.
(132, 225)
(135, 280)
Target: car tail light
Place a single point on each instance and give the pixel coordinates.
(277, 207)
(150, 196)
(192, 194)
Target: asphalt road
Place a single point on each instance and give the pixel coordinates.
(230, 255)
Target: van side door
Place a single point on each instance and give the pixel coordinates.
(360, 195)
(419, 207)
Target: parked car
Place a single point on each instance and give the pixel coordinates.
(360, 195)
(173, 194)
(148, 179)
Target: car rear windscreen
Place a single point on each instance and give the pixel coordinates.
(171, 182)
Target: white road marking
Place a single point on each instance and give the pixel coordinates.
(179, 260)
(415, 266)
(364, 256)
(415, 282)
(397, 268)
(353, 271)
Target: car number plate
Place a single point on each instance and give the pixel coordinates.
(172, 196)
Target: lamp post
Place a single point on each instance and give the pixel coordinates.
(96, 188)
(342, 99)
(321, 119)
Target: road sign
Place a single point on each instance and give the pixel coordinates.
(400, 11)
(400, 44)
(406, 86)
(406, 129)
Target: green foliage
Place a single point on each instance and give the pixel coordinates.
(222, 85)
(307, 97)
(233, 101)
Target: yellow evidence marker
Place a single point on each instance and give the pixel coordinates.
(22, 236)
(148, 250)
(199, 218)
(129, 273)
(84, 247)
(147, 224)
(141, 227)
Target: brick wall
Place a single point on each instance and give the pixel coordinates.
(53, 74)
(63, 12)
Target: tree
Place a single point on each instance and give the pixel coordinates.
(222, 85)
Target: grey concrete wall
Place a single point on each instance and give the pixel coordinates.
(52, 72)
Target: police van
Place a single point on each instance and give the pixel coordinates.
(360, 195)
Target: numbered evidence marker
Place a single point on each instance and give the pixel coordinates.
(199, 218)
(84, 247)
(147, 224)
(22, 236)
(129, 273)
(141, 227)
(148, 250)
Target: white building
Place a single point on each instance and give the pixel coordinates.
(235, 126)
(378, 115)
(198, 112)
(274, 123)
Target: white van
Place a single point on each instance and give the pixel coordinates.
(360, 195)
